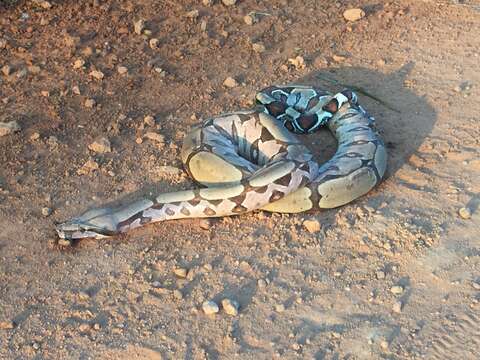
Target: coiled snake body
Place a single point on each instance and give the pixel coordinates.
(251, 160)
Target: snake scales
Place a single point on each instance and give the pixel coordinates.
(250, 160)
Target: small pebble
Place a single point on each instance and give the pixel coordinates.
(204, 224)
(230, 306)
(180, 272)
(229, 2)
(380, 275)
(312, 226)
(230, 82)
(35, 136)
(64, 242)
(83, 328)
(339, 58)
(9, 128)
(249, 19)
(258, 47)
(261, 283)
(45, 93)
(465, 213)
(90, 103)
(381, 62)
(384, 344)
(192, 14)
(353, 14)
(149, 120)
(476, 285)
(76, 90)
(153, 43)
(177, 294)
(280, 308)
(6, 70)
(97, 74)
(6, 325)
(396, 290)
(78, 63)
(207, 2)
(397, 307)
(46, 211)
(88, 167)
(210, 307)
(101, 146)
(298, 62)
(155, 136)
(122, 70)
(139, 26)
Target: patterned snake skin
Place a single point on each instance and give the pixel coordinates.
(251, 160)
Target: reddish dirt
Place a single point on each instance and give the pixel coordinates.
(323, 295)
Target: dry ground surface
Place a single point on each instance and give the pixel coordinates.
(394, 275)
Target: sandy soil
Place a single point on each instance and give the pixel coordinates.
(394, 275)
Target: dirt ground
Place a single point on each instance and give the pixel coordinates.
(394, 275)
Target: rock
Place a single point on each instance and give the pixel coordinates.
(380, 275)
(76, 90)
(45, 93)
(149, 120)
(312, 226)
(258, 47)
(261, 283)
(465, 213)
(384, 344)
(79, 63)
(6, 70)
(177, 294)
(9, 128)
(122, 70)
(210, 307)
(396, 290)
(139, 26)
(397, 307)
(381, 62)
(298, 62)
(353, 14)
(6, 325)
(207, 2)
(3, 43)
(83, 328)
(339, 58)
(97, 74)
(205, 224)
(229, 2)
(35, 136)
(46, 211)
(90, 103)
(250, 18)
(155, 136)
(101, 145)
(64, 242)
(280, 308)
(153, 43)
(192, 14)
(476, 285)
(180, 272)
(34, 69)
(230, 306)
(230, 82)
(88, 167)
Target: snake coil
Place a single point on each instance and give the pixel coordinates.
(251, 160)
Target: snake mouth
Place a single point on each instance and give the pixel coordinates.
(74, 229)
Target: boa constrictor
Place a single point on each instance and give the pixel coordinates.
(251, 160)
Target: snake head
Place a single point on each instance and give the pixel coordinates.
(95, 224)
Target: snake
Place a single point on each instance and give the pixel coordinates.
(256, 160)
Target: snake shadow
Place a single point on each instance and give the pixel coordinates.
(404, 118)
